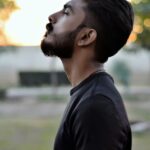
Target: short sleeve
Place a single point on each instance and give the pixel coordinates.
(96, 125)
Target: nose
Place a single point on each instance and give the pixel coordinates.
(52, 19)
(55, 17)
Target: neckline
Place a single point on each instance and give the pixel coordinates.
(90, 77)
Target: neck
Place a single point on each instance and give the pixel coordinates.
(78, 69)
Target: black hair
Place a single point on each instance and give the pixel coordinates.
(113, 21)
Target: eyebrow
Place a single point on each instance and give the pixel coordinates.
(68, 6)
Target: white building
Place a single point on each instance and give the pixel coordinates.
(32, 59)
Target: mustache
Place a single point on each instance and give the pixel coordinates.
(49, 27)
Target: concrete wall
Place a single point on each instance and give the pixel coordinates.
(32, 59)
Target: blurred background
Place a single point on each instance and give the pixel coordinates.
(34, 89)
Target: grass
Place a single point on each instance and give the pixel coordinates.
(141, 141)
(30, 133)
(39, 134)
(138, 109)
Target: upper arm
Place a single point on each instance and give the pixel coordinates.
(95, 125)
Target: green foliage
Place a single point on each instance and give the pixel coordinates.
(7, 4)
(142, 13)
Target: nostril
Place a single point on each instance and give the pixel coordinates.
(52, 19)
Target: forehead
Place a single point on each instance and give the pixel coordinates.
(77, 4)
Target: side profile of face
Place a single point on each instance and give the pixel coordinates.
(62, 29)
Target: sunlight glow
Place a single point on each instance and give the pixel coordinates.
(132, 38)
(147, 22)
(26, 26)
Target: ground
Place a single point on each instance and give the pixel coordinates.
(31, 123)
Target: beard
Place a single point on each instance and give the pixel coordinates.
(60, 45)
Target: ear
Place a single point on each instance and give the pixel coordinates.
(86, 37)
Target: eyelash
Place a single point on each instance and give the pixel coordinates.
(64, 11)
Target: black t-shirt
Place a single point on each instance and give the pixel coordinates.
(95, 118)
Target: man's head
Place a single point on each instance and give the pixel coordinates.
(106, 24)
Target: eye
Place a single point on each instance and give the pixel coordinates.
(66, 11)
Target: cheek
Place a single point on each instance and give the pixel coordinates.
(65, 25)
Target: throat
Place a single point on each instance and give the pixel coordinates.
(76, 73)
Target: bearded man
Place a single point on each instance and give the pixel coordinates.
(84, 34)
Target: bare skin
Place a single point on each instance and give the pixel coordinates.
(79, 70)
(82, 63)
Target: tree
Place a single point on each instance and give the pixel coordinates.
(142, 23)
(6, 8)
(141, 31)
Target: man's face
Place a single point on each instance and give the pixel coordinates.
(62, 30)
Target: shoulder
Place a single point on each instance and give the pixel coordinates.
(96, 115)
(97, 102)
(96, 108)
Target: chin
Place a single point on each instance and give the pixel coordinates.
(60, 46)
(47, 47)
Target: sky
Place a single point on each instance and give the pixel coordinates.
(26, 26)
